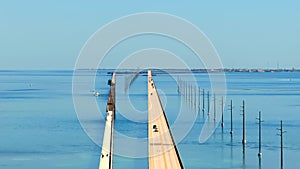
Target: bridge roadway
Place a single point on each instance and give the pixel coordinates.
(106, 157)
(163, 153)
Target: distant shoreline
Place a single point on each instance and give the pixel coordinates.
(158, 71)
(129, 71)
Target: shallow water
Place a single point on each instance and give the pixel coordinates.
(39, 126)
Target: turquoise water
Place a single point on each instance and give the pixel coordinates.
(39, 126)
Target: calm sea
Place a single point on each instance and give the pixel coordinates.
(39, 126)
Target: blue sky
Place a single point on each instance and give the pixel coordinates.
(49, 34)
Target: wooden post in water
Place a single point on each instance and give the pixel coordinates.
(215, 99)
(244, 134)
(281, 144)
(178, 85)
(203, 102)
(281, 147)
(222, 109)
(231, 125)
(244, 123)
(259, 135)
(191, 96)
(208, 106)
(190, 92)
(184, 89)
(195, 99)
(199, 94)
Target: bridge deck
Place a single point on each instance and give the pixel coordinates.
(106, 157)
(163, 153)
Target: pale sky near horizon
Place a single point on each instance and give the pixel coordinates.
(49, 34)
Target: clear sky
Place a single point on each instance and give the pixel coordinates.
(49, 34)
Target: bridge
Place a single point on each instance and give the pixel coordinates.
(162, 150)
(163, 153)
(106, 157)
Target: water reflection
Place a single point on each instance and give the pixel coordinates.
(244, 156)
(259, 162)
(231, 151)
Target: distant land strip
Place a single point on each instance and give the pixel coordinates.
(167, 71)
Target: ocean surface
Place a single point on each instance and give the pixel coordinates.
(39, 127)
